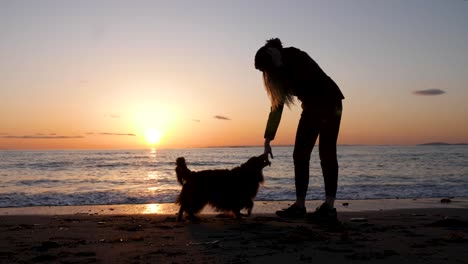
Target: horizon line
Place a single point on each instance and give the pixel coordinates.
(231, 146)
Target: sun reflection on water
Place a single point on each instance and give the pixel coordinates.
(153, 153)
(152, 175)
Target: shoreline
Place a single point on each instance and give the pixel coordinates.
(260, 207)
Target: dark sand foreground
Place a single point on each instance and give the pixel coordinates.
(425, 235)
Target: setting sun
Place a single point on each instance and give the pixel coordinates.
(153, 136)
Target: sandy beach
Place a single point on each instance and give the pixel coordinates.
(377, 231)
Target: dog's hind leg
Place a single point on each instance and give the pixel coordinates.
(181, 214)
(193, 218)
(190, 210)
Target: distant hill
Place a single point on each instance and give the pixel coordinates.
(440, 144)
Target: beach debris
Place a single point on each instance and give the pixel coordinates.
(212, 243)
(101, 223)
(79, 213)
(345, 204)
(358, 219)
(113, 240)
(445, 200)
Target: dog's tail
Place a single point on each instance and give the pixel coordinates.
(182, 172)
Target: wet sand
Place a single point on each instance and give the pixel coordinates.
(376, 231)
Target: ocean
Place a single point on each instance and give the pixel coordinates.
(49, 178)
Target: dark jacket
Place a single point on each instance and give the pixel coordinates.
(308, 82)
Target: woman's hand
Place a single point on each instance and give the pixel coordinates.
(267, 149)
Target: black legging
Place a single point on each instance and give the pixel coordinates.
(323, 120)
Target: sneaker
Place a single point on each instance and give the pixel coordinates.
(293, 211)
(323, 214)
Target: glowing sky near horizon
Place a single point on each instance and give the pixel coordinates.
(101, 74)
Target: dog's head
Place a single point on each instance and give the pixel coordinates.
(182, 172)
(255, 166)
(258, 162)
(180, 161)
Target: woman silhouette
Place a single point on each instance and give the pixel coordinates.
(288, 73)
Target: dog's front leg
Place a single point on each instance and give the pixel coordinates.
(249, 208)
(249, 211)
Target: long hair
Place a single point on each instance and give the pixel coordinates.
(277, 90)
(275, 82)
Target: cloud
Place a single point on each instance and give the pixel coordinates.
(116, 134)
(221, 117)
(429, 92)
(42, 137)
(196, 120)
(113, 116)
(110, 134)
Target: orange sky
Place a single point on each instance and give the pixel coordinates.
(100, 75)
